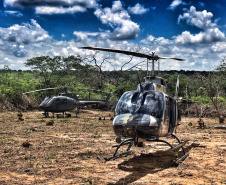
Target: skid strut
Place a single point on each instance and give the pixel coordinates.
(176, 148)
(128, 142)
(131, 141)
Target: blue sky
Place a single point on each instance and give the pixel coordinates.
(189, 29)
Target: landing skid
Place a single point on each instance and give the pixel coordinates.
(46, 114)
(128, 142)
(132, 141)
(64, 115)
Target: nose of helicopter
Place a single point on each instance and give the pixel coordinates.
(44, 105)
(41, 106)
(136, 120)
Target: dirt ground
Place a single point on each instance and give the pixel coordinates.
(72, 151)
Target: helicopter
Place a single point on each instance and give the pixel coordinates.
(147, 113)
(66, 101)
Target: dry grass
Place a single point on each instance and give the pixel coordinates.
(71, 151)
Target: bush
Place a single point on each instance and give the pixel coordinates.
(201, 100)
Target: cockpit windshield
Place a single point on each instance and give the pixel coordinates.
(151, 103)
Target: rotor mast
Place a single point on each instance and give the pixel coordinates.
(153, 67)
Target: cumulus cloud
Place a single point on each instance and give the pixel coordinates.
(24, 34)
(138, 9)
(150, 40)
(83, 36)
(119, 19)
(19, 41)
(19, 51)
(15, 49)
(54, 6)
(196, 55)
(203, 20)
(219, 47)
(65, 3)
(58, 10)
(209, 36)
(201, 50)
(175, 4)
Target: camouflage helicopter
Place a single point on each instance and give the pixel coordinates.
(147, 113)
(66, 101)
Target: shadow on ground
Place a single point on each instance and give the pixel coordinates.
(140, 166)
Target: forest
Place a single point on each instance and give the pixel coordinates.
(207, 88)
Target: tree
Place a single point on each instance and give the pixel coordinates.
(214, 85)
(50, 71)
(222, 74)
(111, 61)
(201, 91)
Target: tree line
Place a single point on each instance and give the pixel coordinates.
(205, 87)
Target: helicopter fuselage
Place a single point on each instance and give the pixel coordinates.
(145, 113)
(66, 102)
(61, 103)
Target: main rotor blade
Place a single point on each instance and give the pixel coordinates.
(119, 51)
(39, 90)
(142, 55)
(46, 89)
(172, 58)
(92, 90)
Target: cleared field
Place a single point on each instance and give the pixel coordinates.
(71, 151)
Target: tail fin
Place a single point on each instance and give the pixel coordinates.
(108, 96)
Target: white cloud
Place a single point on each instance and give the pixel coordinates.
(198, 18)
(119, 20)
(209, 36)
(199, 55)
(219, 47)
(138, 9)
(116, 6)
(150, 40)
(21, 42)
(175, 3)
(54, 6)
(58, 10)
(203, 20)
(13, 13)
(24, 34)
(83, 36)
(53, 3)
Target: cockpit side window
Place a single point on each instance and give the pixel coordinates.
(153, 104)
(146, 87)
(149, 87)
(126, 103)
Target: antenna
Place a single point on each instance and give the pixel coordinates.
(140, 82)
(153, 66)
